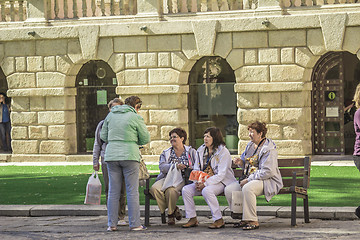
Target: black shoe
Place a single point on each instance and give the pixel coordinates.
(357, 212)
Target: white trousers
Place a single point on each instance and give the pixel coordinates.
(248, 194)
(209, 193)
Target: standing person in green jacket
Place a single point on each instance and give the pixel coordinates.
(123, 131)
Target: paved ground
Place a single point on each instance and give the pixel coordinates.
(94, 227)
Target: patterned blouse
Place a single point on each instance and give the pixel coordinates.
(183, 159)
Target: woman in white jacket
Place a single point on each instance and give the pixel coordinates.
(212, 153)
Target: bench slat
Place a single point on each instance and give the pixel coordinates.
(293, 162)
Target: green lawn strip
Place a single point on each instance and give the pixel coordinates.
(329, 186)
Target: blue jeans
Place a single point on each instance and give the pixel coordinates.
(5, 129)
(130, 170)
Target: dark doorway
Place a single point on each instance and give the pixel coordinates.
(334, 79)
(96, 84)
(212, 101)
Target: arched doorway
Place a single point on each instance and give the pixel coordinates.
(212, 101)
(95, 83)
(335, 77)
(3, 90)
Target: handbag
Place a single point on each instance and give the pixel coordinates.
(143, 173)
(173, 178)
(209, 170)
(93, 190)
(187, 172)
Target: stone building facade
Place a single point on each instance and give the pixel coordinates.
(273, 49)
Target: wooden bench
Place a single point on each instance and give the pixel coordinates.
(295, 173)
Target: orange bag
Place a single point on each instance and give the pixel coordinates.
(198, 176)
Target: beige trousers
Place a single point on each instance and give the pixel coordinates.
(168, 198)
(248, 194)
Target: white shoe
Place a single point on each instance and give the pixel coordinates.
(111, 229)
(122, 222)
(139, 228)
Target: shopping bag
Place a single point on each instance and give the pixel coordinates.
(93, 190)
(198, 176)
(236, 202)
(173, 178)
(143, 173)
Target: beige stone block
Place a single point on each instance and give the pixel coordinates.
(20, 64)
(273, 87)
(136, 77)
(130, 60)
(147, 59)
(223, 44)
(20, 104)
(352, 34)
(287, 38)
(243, 132)
(287, 55)
(37, 132)
(149, 101)
(89, 40)
(23, 118)
(252, 74)
(2, 52)
(176, 117)
(63, 64)
(164, 59)
(205, 35)
(272, 99)
(291, 132)
(157, 147)
(274, 131)
(236, 58)
(35, 64)
(145, 115)
(130, 44)
(37, 103)
(287, 115)
(165, 132)
(304, 57)
(55, 117)
(179, 61)
(293, 147)
(19, 48)
(8, 66)
(53, 147)
(242, 144)
(74, 50)
(171, 101)
(247, 100)
(105, 49)
(164, 43)
(60, 103)
(120, 76)
(315, 41)
(256, 39)
(333, 29)
(39, 157)
(296, 99)
(19, 132)
(250, 56)
(164, 76)
(153, 130)
(50, 79)
(152, 89)
(49, 64)
(117, 62)
(53, 47)
(58, 131)
(286, 73)
(269, 56)
(24, 146)
(21, 80)
(246, 116)
(188, 44)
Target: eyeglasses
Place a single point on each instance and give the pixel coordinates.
(138, 106)
(173, 137)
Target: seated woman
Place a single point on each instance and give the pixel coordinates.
(262, 174)
(212, 154)
(184, 157)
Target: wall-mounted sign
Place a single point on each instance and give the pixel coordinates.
(332, 111)
(101, 97)
(331, 95)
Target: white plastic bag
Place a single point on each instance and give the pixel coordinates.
(93, 190)
(236, 202)
(173, 178)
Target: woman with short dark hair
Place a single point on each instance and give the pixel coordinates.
(214, 158)
(182, 157)
(261, 174)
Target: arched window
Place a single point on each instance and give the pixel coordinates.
(212, 101)
(96, 83)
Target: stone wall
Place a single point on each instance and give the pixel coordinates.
(272, 65)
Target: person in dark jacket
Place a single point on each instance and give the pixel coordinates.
(5, 126)
(99, 151)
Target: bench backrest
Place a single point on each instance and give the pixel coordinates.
(301, 166)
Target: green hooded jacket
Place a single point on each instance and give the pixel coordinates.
(123, 131)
